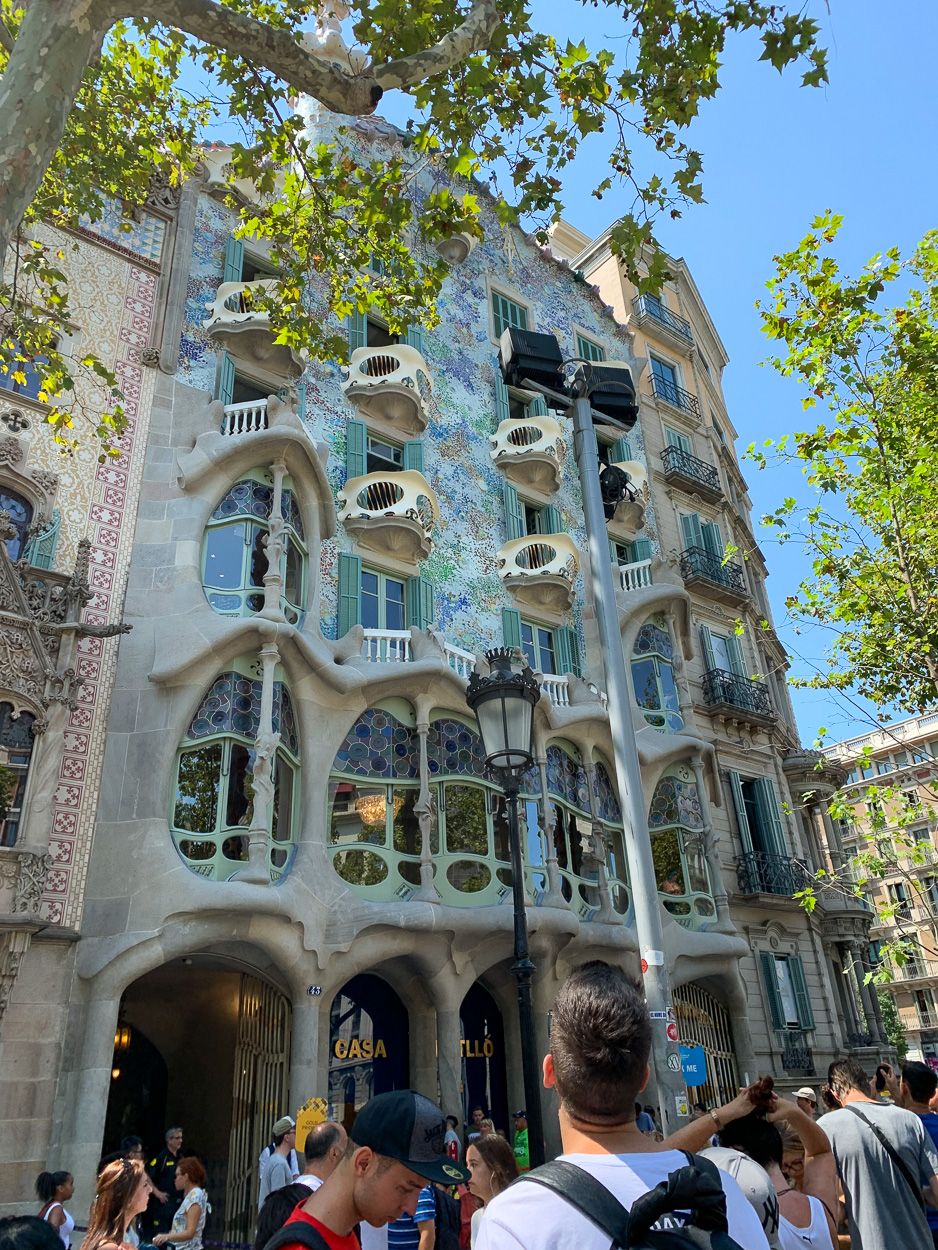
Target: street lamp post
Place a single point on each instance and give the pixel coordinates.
(503, 702)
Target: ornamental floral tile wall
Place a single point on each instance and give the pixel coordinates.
(461, 357)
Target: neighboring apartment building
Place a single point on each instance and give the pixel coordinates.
(299, 882)
(901, 758)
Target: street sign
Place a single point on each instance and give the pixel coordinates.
(672, 1032)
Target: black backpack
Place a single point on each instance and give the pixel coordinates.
(298, 1232)
(447, 1221)
(695, 1188)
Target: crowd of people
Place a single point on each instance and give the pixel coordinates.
(760, 1171)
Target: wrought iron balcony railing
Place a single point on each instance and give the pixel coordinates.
(680, 463)
(675, 395)
(855, 1040)
(723, 687)
(651, 306)
(760, 872)
(796, 1052)
(697, 562)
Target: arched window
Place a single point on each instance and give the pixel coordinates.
(569, 798)
(20, 512)
(675, 822)
(234, 558)
(608, 813)
(214, 799)
(16, 748)
(653, 676)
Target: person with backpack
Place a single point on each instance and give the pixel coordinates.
(612, 1184)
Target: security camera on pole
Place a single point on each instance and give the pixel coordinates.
(534, 362)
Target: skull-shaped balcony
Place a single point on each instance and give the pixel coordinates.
(540, 569)
(391, 513)
(238, 322)
(630, 511)
(391, 383)
(530, 450)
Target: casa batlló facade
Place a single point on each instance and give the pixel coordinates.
(259, 860)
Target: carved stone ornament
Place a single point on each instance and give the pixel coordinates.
(162, 194)
(15, 421)
(150, 357)
(13, 946)
(34, 865)
(11, 451)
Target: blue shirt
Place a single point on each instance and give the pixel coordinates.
(930, 1120)
(404, 1234)
(645, 1124)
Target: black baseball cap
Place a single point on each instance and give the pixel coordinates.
(405, 1126)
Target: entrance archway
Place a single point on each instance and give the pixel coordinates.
(204, 1043)
(704, 1021)
(369, 1045)
(485, 1082)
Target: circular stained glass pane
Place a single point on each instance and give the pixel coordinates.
(703, 907)
(677, 907)
(468, 876)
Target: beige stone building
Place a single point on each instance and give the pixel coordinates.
(901, 759)
(291, 875)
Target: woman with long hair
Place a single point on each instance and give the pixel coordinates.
(189, 1220)
(53, 1190)
(123, 1193)
(492, 1163)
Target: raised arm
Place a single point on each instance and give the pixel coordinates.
(820, 1167)
(697, 1134)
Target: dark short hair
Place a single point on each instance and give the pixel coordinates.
(276, 1209)
(27, 1232)
(756, 1136)
(600, 1041)
(319, 1141)
(452, 1121)
(921, 1080)
(847, 1074)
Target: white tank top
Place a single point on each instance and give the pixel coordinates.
(817, 1235)
(65, 1229)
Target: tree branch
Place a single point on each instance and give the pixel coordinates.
(473, 35)
(6, 39)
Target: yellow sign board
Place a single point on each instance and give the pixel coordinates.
(314, 1111)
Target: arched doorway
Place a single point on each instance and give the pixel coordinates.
(704, 1021)
(484, 1077)
(369, 1045)
(205, 1043)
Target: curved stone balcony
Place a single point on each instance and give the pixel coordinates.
(391, 383)
(530, 450)
(245, 418)
(392, 513)
(236, 322)
(630, 514)
(540, 569)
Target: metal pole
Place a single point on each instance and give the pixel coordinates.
(644, 888)
(523, 970)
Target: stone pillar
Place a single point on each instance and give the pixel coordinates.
(273, 578)
(867, 994)
(554, 895)
(83, 1127)
(607, 914)
(309, 1057)
(738, 1005)
(832, 836)
(711, 851)
(262, 775)
(448, 1051)
(425, 810)
(424, 1076)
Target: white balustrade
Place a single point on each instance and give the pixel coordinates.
(236, 303)
(246, 417)
(557, 689)
(386, 646)
(461, 662)
(635, 576)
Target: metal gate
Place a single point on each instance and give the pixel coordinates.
(259, 1097)
(703, 1021)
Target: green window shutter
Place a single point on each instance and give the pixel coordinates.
(414, 338)
(713, 539)
(586, 349)
(224, 383)
(419, 602)
(742, 820)
(357, 325)
(356, 456)
(502, 409)
(40, 550)
(234, 260)
(413, 455)
(514, 513)
(706, 642)
(735, 651)
(614, 550)
(620, 451)
(799, 985)
(641, 549)
(350, 592)
(770, 816)
(770, 981)
(511, 628)
(691, 529)
(537, 407)
(550, 521)
(567, 647)
(674, 438)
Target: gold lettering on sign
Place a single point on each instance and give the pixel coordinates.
(360, 1048)
(470, 1049)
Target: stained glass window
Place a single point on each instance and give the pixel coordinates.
(566, 778)
(607, 801)
(379, 746)
(21, 514)
(653, 677)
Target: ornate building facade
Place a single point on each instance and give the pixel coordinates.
(287, 874)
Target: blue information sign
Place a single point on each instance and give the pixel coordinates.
(694, 1065)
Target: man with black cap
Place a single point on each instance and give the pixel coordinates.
(395, 1147)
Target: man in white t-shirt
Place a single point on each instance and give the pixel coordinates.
(324, 1147)
(598, 1063)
